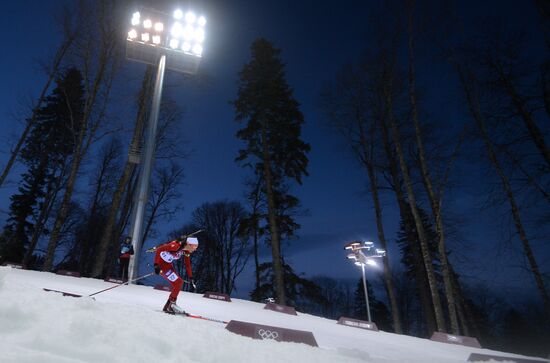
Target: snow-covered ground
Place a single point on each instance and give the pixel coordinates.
(125, 325)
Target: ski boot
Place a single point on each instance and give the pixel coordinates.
(172, 308)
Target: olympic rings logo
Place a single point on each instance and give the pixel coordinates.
(268, 334)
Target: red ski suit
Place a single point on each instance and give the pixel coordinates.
(164, 256)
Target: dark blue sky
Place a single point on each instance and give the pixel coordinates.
(317, 38)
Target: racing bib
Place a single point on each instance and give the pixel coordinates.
(167, 256)
(171, 275)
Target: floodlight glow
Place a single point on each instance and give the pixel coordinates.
(186, 47)
(358, 263)
(147, 23)
(202, 21)
(369, 243)
(188, 32)
(380, 252)
(178, 14)
(176, 30)
(371, 262)
(159, 27)
(352, 256)
(156, 39)
(174, 43)
(132, 34)
(197, 49)
(190, 17)
(145, 37)
(199, 35)
(135, 18)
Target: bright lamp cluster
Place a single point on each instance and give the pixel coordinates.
(361, 258)
(183, 32)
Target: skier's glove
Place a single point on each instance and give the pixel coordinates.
(193, 285)
(157, 269)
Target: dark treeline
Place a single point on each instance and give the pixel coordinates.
(76, 194)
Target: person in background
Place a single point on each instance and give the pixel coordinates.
(126, 250)
(165, 254)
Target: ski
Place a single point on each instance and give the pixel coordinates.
(62, 292)
(187, 315)
(204, 318)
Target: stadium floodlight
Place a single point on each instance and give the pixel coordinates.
(197, 49)
(180, 49)
(186, 46)
(362, 259)
(178, 14)
(190, 17)
(135, 18)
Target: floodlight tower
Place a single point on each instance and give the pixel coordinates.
(361, 259)
(168, 41)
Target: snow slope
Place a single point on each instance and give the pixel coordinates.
(125, 325)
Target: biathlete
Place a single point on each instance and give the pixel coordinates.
(165, 255)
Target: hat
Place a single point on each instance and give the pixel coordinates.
(192, 241)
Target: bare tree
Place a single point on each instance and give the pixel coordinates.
(98, 27)
(351, 110)
(472, 93)
(435, 202)
(52, 70)
(222, 223)
(411, 197)
(104, 182)
(164, 192)
(128, 171)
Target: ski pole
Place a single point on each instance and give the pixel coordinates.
(125, 283)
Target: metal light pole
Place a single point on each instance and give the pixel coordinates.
(180, 50)
(362, 259)
(366, 292)
(147, 166)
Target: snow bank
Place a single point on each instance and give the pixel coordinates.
(125, 324)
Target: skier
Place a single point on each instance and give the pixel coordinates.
(126, 250)
(164, 256)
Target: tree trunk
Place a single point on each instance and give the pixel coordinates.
(53, 188)
(520, 106)
(107, 236)
(388, 278)
(278, 271)
(59, 55)
(80, 148)
(367, 159)
(412, 235)
(473, 104)
(428, 265)
(434, 201)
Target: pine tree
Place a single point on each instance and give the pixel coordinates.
(272, 129)
(45, 153)
(414, 265)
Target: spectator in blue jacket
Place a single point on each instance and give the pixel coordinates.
(126, 250)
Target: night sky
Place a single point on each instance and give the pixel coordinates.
(316, 39)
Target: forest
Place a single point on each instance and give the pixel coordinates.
(76, 173)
